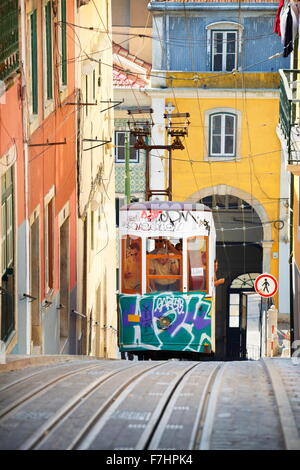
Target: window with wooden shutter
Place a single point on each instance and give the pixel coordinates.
(64, 63)
(34, 65)
(49, 68)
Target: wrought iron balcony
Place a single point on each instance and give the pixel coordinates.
(9, 38)
(289, 112)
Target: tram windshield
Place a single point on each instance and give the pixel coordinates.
(164, 264)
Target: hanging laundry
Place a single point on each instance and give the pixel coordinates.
(289, 24)
(288, 36)
(277, 19)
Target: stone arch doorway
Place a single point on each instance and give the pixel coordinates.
(243, 246)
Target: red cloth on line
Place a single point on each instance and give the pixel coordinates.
(277, 19)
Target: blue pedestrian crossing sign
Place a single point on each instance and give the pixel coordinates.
(266, 285)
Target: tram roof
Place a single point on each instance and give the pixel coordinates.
(165, 205)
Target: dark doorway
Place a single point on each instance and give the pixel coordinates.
(230, 342)
(239, 236)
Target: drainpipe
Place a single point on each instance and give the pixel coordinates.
(26, 183)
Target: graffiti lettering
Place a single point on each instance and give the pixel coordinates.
(171, 221)
(168, 320)
(175, 304)
(150, 215)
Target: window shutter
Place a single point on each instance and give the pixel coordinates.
(64, 42)
(49, 49)
(34, 68)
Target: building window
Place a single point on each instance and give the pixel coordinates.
(48, 50)
(224, 50)
(7, 255)
(49, 245)
(120, 147)
(34, 65)
(64, 63)
(222, 135)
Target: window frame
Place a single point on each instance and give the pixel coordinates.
(34, 82)
(149, 277)
(8, 254)
(223, 135)
(48, 51)
(138, 240)
(137, 152)
(206, 238)
(224, 49)
(49, 245)
(63, 44)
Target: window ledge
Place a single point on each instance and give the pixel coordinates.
(223, 159)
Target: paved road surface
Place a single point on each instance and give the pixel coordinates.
(171, 405)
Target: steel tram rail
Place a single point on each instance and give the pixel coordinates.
(286, 416)
(86, 439)
(204, 418)
(97, 422)
(33, 393)
(41, 370)
(44, 431)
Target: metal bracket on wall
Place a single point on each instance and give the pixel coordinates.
(80, 103)
(103, 142)
(48, 143)
(113, 104)
(74, 312)
(30, 297)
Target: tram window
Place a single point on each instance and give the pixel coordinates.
(164, 264)
(234, 310)
(197, 253)
(131, 264)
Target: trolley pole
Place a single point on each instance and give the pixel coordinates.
(127, 170)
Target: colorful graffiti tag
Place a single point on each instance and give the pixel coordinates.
(160, 220)
(167, 321)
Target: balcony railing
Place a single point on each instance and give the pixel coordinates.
(9, 38)
(289, 112)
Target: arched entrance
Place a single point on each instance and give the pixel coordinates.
(243, 246)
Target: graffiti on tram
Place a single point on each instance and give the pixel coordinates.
(159, 220)
(169, 321)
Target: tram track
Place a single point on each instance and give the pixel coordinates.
(203, 419)
(4, 412)
(41, 370)
(285, 413)
(152, 430)
(157, 424)
(44, 431)
(170, 405)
